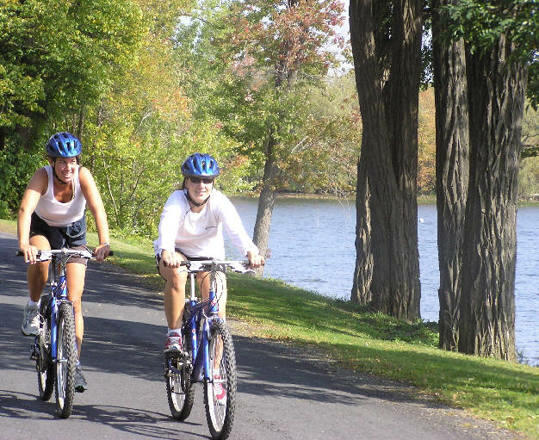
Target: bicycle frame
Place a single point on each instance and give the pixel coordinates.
(201, 361)
(209, 355)
(58, 286)
(55, 346)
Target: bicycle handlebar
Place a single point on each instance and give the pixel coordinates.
(46, 255)
(217, 265)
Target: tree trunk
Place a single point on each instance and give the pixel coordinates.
(452, 168)
(361, 292)
(496, 91)
(387, 261)
(266, 201)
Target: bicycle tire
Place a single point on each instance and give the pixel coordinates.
(220, 410)
(66, 361)
(44, 366)
(180, 390)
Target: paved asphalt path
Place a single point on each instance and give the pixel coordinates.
(284, 393)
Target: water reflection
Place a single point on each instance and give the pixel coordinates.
(312, 243)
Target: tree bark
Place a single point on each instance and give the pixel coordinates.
(496, 89)
(452, 168)
(266, 201)
(387, 262)
(361, 292)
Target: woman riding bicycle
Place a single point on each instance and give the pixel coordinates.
(52, 216)
(191, 227)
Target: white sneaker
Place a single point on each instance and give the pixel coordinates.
(173, 343)
(80, 381)
(30, 322)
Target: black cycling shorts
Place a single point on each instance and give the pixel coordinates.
(70, 236)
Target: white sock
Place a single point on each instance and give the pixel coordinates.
(32, 303)
(175, 330)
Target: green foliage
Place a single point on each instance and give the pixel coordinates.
(134, 136)
(324, 157)
(426, 172)
(528, 188)
(259, 92)
(481, 23)
(58, 56)
(16, 168)
(144, 129)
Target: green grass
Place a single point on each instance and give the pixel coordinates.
(505, 392)
(8, 226)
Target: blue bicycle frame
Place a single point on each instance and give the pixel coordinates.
(58, 295)
(209, 355)
(201, 357)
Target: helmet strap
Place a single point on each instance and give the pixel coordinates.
(196, 203)
(54, 172)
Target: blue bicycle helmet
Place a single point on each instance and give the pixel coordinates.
(63, 144)
(200, 165)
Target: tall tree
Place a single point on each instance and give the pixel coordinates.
(271, 51)
(498, 47)
(386, 43)
(496, 95)
(452, 165)
(295, 33)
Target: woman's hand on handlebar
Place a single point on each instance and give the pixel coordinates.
(170, 259)
(255, 259)
(102, 251)
(29, 253)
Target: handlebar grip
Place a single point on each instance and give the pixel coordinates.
(20, 254)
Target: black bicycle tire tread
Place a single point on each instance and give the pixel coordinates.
(231, 374)
(45, 393)
(189, 400)
(65, 316)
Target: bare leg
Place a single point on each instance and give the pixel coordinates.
(38, 273)
(204, 282)
(75, 274)
(174, 300)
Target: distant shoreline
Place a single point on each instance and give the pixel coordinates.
(422, 199)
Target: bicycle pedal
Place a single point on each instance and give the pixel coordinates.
(34, 354)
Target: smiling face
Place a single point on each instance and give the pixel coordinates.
(199, 188)
(65, 168)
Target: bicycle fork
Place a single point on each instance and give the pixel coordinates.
(51, 309)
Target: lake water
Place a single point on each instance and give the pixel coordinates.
(312, 247)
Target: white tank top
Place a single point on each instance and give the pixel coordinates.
(56, 213)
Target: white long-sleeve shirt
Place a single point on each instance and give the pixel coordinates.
(201, 234)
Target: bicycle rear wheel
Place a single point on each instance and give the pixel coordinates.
(44, 366)
(66, 361)
(180, 391)
(220, 392)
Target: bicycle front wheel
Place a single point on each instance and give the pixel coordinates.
(66, 361)
(220, 390)
(44, 365)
